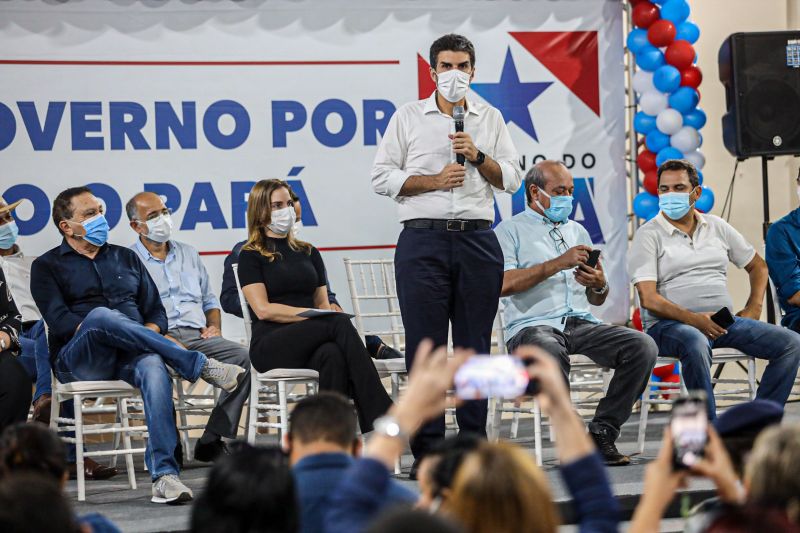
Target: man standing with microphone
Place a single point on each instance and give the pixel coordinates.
(441, 159)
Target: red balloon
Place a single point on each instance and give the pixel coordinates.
(651, 182)
(637, 319)
(645, 14)
(635, 2)
(680, 54)
(661, 33)
(691, 77)
(647, 161)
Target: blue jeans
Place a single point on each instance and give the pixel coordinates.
(35, 357)
(109, 345)
(780, 346)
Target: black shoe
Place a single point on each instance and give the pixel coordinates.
(387, 352)
(412, 474)
(605, 444)
(210, 451)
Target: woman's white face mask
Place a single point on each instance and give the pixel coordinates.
(282, 221)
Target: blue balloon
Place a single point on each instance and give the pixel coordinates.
(645, 205)
(676, 11)
(684, 99)
(649, 58)
(695, 118)
(706, 201)
(667, 79)
(644, 123)
(700, 176)
(688, 31)
(656, 141)
(637, 39)
(668, 153)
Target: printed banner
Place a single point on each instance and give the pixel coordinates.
(198, 101)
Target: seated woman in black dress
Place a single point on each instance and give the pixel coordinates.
(282, 277)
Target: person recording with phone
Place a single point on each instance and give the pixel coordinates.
(551, 276)
(442, 159)
(678, 263)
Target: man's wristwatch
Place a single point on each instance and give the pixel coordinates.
(601, 290)
(389, 426)
(478, 160)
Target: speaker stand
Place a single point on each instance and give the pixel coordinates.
(765, 192)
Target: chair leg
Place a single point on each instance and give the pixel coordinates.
(126, 439)
(395, 379)
(497, 419)
(514, 425)
(283, 406)
(182, 420)
(78, 399)
(751, 376)
(252, 412)
(645, 407)
(537, 431)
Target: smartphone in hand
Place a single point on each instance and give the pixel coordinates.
(594, 257)
(689, 427)
(723, 318)
(498, 376)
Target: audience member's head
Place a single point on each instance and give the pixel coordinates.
(751, 519)
(439, 466)
(740, 425)
(149, 217)
(32, 448)
(268, 209)
(72, 208)
(402, 520)
(251, 490)
(772, 474)
(325, 423)
(499, 489)
(8, 225)
(34, 502)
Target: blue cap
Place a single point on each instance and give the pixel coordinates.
(749, 416)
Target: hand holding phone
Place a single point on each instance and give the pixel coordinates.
(689, 428)
(723, 318)
(594, 256)
(498, 376)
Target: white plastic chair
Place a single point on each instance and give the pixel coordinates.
(191, 399)
(271, 392)
(79, 391)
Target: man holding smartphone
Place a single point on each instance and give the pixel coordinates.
(551, 275)
(678, 262)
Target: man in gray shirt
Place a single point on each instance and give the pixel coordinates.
(678, 262)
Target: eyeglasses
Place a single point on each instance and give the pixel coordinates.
(561, 244)
(155, 214)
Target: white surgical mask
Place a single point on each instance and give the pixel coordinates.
(452, 84)
(159, 229)
(282, 221)
(298, 225)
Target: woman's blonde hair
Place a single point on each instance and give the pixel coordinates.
(499, 489)
(259, 216)
(773, 470)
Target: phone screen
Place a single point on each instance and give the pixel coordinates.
(689, 426)
(484, 376)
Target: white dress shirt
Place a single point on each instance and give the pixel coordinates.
(17, 270)
(416, 143)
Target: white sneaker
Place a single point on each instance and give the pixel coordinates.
(222, 375)
(169, 489)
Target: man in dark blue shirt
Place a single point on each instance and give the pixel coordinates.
(783, 260)
(322, 442)
(106, 320)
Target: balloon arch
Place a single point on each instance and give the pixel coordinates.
(666, 84)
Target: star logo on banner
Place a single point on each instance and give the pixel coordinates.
(511, 96)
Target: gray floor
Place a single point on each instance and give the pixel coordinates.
(132, 510)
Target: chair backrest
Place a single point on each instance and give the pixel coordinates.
(374, 296)
(248, 322)
(776, 302)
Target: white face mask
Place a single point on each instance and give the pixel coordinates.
(298, 225)
(452, 85)
(159, 229)
(282, 221)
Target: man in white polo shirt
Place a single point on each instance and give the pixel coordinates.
(548, 287)
(678, 262)
(448, 264)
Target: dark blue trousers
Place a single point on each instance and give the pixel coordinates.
(448, 277)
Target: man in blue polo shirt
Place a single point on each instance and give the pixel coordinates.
(193, 311)
(783, 260)
(547, 289)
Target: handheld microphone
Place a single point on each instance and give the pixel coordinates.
(458, 118)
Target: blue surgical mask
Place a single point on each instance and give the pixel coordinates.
(96, 230)
(560, 207)
(674, 205)
(8, 235)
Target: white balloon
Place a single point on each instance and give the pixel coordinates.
(696, 158)
(643, 82)
(669, 121)
(686, 140)
(654, 102)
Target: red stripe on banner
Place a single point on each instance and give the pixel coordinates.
(194, 63)
(326, 249)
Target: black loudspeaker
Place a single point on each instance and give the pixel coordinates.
(761, 75)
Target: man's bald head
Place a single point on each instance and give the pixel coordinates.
(143, 205)
(548, 175)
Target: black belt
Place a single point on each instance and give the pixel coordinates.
(448, 225)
